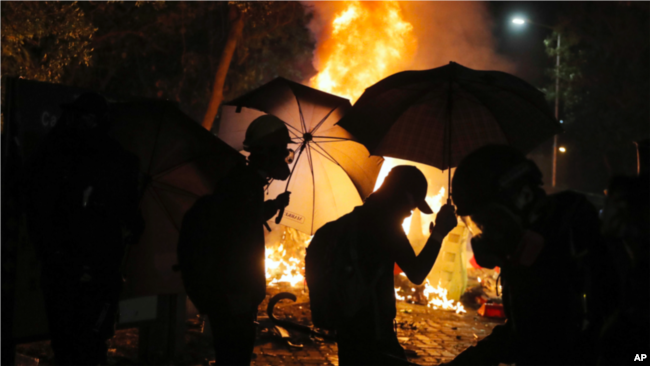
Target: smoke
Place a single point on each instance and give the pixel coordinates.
(445, 31)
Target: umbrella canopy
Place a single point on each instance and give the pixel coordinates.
(181, 162)
(438, 116)
(331, 173)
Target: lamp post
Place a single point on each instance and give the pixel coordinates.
(521, 21)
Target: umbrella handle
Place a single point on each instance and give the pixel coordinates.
(279, 217)
(295, 164)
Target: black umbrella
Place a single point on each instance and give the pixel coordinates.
(438, 116)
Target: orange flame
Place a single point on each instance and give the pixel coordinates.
(437, 297)
(369, 41)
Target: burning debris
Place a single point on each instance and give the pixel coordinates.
(285, 258)
(425, 294)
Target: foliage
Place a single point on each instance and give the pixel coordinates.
(604, 72)
(41, 40)
(171, 50)
(166, 50)
(604, 89)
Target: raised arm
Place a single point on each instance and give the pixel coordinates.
(418, 267)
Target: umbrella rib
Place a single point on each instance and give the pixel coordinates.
(298, 131)
(177, 166)
(170, 188)
(326, 154)
(313, 188)
(302, 118)
(155, 147)
(333, 138)
(323, 120)
(169, 215)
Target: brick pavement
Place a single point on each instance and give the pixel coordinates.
(430, 336)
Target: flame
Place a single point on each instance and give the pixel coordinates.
(397, 296)
(282, 267)
(437, 297)
(479, 279)
(368, 42)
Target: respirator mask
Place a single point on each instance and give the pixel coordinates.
(498, 237)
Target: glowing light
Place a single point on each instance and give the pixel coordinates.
(437, 297)
(479, 279)
(518, 21)
(369, 41)
(282, 267)
(562, 149)
(397, 296)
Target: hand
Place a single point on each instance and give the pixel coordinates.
(446, 220)
(282, 200)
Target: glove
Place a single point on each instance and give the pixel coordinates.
(282, 200)
(446, 221)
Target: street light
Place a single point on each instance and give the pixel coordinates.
(521, 21)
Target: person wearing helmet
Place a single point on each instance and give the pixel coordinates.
(82, 211)
(364, 321)
(551, 256)
(221, 249)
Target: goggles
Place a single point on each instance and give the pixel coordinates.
(290, 156)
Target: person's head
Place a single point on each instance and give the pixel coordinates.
(87, 116)
(495, 189)
(403, 190)
(266, 141)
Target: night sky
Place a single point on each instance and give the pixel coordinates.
(524, 44)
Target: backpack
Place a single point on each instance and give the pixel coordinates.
(338, 289)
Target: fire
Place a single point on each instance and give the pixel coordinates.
(438, 299)
(397, 295)
(282, 265)
(368, 41)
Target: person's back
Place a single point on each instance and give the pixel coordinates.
(370, 241)
(221, 245)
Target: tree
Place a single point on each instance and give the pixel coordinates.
(42, 40)
(168, 50)
(604, 84)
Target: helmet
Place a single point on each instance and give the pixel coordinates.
(266, 130)
(489, 174)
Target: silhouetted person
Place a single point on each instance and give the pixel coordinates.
(373, 232)
(554, 266)
(626, 227)
(83, 197)
(221, 246)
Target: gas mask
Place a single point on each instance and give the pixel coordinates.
(498, 238)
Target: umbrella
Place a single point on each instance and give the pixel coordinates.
(438, 116)
(331, 173)
(181, 162)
